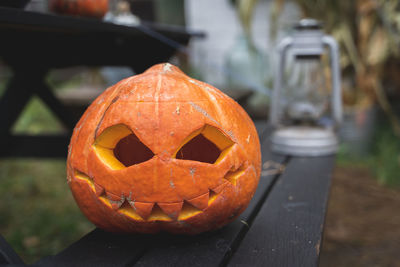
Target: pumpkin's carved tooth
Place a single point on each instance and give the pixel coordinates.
(188, 210)
(115, 201)
(220, 187)
(142, 208)
(82, 176)
(233, 175)
(127, 210)
(212, 196)
(171, 209)
(157, 214)
(98, 189)
(200, 202)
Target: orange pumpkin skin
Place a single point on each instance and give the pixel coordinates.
(84, 8)
(167, 111)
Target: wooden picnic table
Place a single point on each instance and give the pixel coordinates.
(282, 226)
(32, 44)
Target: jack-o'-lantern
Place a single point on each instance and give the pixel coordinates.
(161, 151)
(84, 8)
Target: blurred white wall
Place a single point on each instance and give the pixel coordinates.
(218, 19)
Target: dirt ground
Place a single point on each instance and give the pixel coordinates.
(363, 222)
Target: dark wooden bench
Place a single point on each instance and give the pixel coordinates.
(281, 227)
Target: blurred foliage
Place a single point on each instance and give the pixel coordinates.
(245, 9)
(386, 156)
(368, 34)
(383, 158)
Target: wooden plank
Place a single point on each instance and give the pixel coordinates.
(7, 254)
(212, 249)
(20, 18)
(83, 41)
(35, 146)
(99, 248)
(288, 228)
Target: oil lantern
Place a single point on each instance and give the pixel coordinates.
(306, 107)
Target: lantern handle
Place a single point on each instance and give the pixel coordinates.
(331, 43)
(282, 48)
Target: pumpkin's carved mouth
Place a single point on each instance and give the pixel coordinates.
(146, 211)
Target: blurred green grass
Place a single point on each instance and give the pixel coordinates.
(38, 215)
(382, 159)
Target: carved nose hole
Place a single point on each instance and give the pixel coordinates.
(199, 149)
(130, 150)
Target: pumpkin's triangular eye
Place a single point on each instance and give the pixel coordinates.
(119, 147)
(205, 145)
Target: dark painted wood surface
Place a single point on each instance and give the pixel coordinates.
(281, 227)
(56, 41)
(7, 254)
(288, 229)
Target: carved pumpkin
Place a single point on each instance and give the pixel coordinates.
(162, 151)
(84, 8)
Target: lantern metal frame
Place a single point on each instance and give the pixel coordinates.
(307, 40)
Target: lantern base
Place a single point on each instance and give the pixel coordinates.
(304, 141)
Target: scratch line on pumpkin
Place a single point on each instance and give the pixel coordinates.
(118, 202)
(192, 171)
(131, 92)
(208, 88)
(132, 203)
(129, 198)
(253, 168)
(171, 183)
(198, 84)
(202, 111)
(116, 92)
(177, 110)
(104, 114)
(101, 100)
(231, 135)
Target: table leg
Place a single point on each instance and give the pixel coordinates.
(22, 86)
